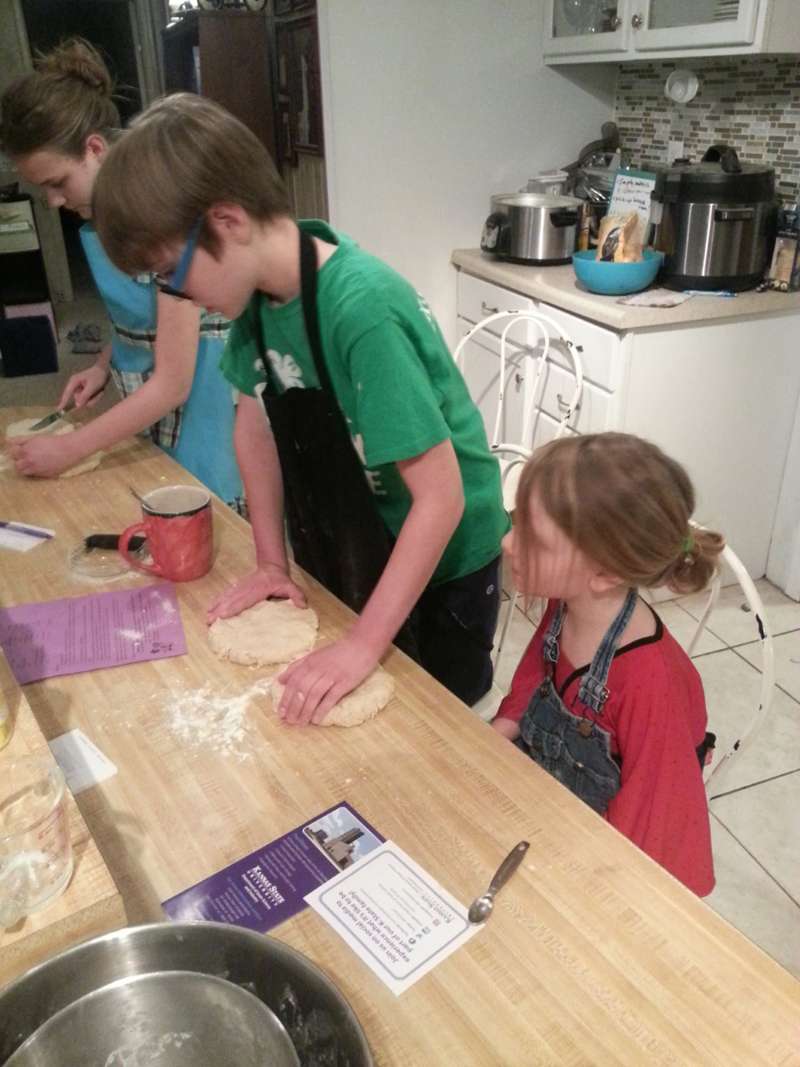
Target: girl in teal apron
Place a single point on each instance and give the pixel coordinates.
(196, 433)
(57, 123)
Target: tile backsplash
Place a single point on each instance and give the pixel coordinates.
(750, 102)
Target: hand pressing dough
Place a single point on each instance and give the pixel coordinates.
(23, 429)
(363, 704)
(272, 631)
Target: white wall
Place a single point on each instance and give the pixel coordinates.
(430, 107)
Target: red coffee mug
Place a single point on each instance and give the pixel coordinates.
(177, 525)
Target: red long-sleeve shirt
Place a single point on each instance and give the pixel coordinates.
(656, 716)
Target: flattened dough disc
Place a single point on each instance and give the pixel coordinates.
(23, 429)
(272, 631)
(357, 707)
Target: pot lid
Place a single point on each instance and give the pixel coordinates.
(540, 200)
(716, 179)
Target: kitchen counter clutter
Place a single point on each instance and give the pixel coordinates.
(714, 382)
(559, 287)
(593, 953)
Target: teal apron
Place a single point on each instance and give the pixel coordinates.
(199, 434)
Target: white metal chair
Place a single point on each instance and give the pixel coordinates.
(512, 455)
(763, 633)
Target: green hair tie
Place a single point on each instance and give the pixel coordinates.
(687, 545)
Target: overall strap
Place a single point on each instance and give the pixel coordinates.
(550, 643)
(308, 294)
(593, 691)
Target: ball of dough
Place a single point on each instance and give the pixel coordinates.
(272, 631)
(363, 704)
(23, 428)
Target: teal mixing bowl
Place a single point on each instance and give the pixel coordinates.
(615, 279)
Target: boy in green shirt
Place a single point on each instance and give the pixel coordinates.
(370, 437)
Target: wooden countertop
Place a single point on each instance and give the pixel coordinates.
(594, 954)
(559, 287)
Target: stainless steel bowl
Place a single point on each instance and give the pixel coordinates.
(168, 1019)
(323, 1028)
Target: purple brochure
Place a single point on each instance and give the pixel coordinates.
(263, 889)
(84, 633)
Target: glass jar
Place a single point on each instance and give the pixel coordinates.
(35, 847)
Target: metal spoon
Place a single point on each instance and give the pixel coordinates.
(134, 493)
(481, 908)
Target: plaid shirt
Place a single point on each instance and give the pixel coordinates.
(166, 431)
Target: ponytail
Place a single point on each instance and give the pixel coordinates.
(696, 562)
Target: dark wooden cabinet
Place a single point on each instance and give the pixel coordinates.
(225, 55)
(235, 68)
(264, 68)
(299, 92)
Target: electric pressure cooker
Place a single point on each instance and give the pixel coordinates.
(717, 222)
(531, 228)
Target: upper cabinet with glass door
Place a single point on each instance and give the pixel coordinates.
(585, 26)
(673, 24)
(581, 31)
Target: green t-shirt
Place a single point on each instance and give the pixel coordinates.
(394, 379)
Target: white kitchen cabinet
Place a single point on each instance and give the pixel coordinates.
(583, 31)
(676, 24)
(574, 27)
(718, 396)
(480, 365)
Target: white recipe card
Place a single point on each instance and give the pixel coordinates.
(393, 915)
(82, 762)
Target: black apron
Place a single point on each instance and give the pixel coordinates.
(335, 529)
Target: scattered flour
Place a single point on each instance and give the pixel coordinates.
(202, 718)
(131, 635)
(166, 605)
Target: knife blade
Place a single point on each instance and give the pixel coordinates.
(48, 420)
(54, 416)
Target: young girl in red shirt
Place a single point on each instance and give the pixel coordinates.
(604, 698)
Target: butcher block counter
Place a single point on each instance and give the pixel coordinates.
(594, 955)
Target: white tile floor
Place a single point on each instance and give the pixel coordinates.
(755, 809)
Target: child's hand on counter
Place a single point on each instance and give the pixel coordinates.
(269, 580)
(319, 680)
(43, 456)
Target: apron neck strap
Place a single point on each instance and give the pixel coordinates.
(308, 295)
(593, 689)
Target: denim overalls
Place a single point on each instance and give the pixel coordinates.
(575, 749)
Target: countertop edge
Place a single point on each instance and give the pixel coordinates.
(557, 286)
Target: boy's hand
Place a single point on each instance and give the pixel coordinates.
(269, 580)
(84, 388)
(317, 681)
(43, 457)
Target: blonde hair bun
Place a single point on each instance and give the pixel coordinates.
(77, 58)
(68, 97)
(697, 561)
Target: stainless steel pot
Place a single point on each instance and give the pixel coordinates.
(168, 1019)
(717, 222)
(531, 228)
(320, 1022)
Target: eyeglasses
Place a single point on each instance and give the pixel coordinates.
(171, 282)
